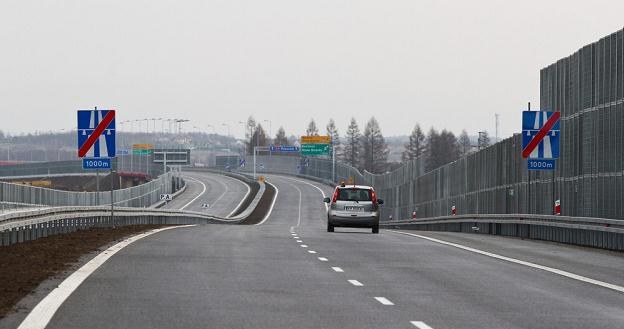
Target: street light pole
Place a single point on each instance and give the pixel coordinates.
(270, 129)
(245, 143)
(228, 143)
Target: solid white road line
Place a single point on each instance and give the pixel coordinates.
(272, 205)
(224, 192)
(356, 283)
(384, 300)
(304, 182)
(300, 200)
(197, 197)
(304, 246)
(420, 325)
(337, 269)
(41, 315)
(312, 251)
(322, 259)
(520, 262)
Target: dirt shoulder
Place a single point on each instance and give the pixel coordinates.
(26, 265)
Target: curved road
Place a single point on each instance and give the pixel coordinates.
(221, 194)
(290, 273)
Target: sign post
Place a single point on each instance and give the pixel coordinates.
(540, 139)
(319, 145)
(96, 144)
(540, 143)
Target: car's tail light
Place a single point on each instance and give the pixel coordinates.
(374, 196)
(335, 197)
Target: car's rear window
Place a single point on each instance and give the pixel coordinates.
(354, 194)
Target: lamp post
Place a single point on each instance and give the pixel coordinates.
(270, 130)
(245, 143)
(228, 142)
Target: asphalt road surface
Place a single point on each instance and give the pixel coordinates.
(210, 193)
(289, 272)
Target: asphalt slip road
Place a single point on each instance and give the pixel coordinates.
(288, 272)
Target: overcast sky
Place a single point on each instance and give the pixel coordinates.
(448, 64)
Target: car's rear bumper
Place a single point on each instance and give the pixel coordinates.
(343, 221)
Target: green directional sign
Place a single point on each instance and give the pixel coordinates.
(315, 149)
(142, 152)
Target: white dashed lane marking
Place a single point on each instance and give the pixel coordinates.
(312, 251)
(384, 300)
(304, 246)
(355, 283)
(322, 259)
(420, 325)
(299, 241)
(337, 269)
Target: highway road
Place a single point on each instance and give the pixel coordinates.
(288, 272)
(210, 193)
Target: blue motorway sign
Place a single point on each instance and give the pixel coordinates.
(541, 164)
(96, 133)
(123, 152)
(241, 163)
(96, 163)
(540, 134)
(285, 149)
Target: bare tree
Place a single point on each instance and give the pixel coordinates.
(353, 145)
(464, 143)
(332, 131)
(258, 138)
(280, 137)
(484, 139)
(374, 148)
(312, 130)
(416, 145)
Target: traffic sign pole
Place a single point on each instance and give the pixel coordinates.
(333, 163)
(97, 186)
(112, 197)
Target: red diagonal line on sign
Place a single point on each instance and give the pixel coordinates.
(540, 134)
(108, 118)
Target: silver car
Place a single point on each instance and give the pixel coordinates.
(353, 206)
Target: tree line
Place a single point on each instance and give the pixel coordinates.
(368, 150)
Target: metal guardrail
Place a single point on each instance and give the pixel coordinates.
(25, 226)
(138, 196)
(581, 231)
(31, 224)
